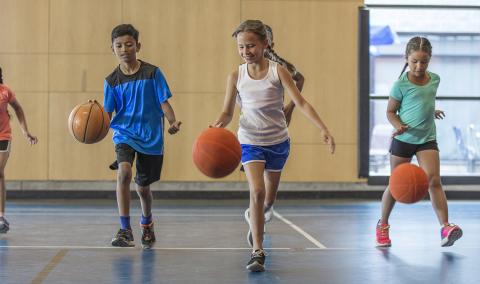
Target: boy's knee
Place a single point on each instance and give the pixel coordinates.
(124, 176)
(143, 191)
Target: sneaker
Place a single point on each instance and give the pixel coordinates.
(268, 213)
(124, 238)
(449, 234)
(383, 240)
(148, 236)
(4, 225)
(257, 261)
(114, 166)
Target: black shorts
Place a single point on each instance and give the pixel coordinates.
(4, 145)
(149, 167)
(407, 150)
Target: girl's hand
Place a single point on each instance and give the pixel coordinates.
(31, 139)
(174, 127)
(328, 139)
(218, 123)
(439, 114)
(400, 130)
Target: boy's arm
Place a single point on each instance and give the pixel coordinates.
(229, 101)
(304, 106)
(170, 115)
(23, 122)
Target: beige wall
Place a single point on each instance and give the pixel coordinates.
(56, 53)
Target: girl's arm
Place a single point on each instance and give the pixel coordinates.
(304, 106)
(23, 122)
(229, 101)
(393, 118)
(170, 115)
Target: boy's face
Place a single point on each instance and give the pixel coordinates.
(125, 48)
(250, 47)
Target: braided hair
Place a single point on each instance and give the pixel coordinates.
(417, 44)
(272, 55)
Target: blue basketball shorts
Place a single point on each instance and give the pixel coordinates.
(274, 156)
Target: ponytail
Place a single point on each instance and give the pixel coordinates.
(403, 70)
(1, 76)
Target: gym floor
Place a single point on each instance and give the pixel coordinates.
(198, 241)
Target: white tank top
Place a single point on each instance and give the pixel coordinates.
(262, 121)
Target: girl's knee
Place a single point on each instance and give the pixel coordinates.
(435, 182)
(258, 195)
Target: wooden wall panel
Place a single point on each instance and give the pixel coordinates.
(80, 73)
(83, 26)
(320, 38)
(189, 39)
(69, 159)
(24, 26)
(25, 72)
(29, 162)
(56, 54)
(310, 162)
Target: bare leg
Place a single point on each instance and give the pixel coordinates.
(430, 162)
(146, 198)
(272, 180)
(3, 195)
(124, 177)
(387, 199)
(254, 172)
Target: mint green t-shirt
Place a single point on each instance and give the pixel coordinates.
(417, 108)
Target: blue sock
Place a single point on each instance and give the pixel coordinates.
(146, 220)
(125, 222)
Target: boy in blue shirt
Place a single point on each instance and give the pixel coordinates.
(138, 94)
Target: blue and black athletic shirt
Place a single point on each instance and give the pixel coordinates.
(136, 99)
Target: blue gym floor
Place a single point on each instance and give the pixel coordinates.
(308, 241)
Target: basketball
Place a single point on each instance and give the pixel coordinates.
(216, 152)
(88, 122)
(408, 183)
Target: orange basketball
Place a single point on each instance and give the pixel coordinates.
(216, 152)
(408, 183)
(88, 122)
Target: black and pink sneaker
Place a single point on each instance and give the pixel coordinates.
(449, 234)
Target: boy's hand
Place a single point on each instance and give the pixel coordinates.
(174, 127)
(328, 139)
(439, 114)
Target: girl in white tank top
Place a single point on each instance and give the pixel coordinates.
(260, 84)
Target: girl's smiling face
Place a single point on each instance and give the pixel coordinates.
(250, 46)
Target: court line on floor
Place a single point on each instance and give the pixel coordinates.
(42, 275)
(300, 231)
(137, 248)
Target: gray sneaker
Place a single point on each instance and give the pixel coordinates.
(268, 213)
(4, 225)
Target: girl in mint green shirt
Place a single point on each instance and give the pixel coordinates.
(411, 111)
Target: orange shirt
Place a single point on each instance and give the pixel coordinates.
(6, 96)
